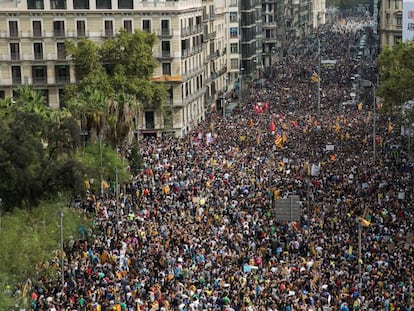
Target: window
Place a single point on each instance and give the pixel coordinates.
(62, 74)
(38, 50)
(103, 4)
(39, 74)
(234, 48)
(234, 3)
(399, 21)
(81, 4)
(165, 48)
(166, 68)
(80, 28)
(233, 32)
(16, 75)
(13, 29)
(14, 51)
(61, 50)
(397, 39)
(397, 4)
(165, 27)
(45, 94)
(58, 4)
(146, 25)
(37, 28)
(149, 120)
(233, 17)
(59, 28)
(2, 94)
(61, 98)
(234, 63)
(128, 25)
(125, 4)
(35, 4)
(168, 117)
(109, 29)
(387, 19)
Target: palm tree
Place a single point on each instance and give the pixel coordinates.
(124, 108)
(30, 100)
(91, 107)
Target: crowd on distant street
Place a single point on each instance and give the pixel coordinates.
(196, 229)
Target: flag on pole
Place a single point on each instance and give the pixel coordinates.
(315, 77)
(390, 127)
(364, 222)
(284, 137)
(278, 141)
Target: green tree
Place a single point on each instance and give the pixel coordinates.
(29, 240)
(36, 148)
(396, 73)
(120, 70)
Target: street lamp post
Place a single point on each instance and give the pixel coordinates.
(318, 108)
(359, 247)
(271, 61)
(116, 194)
(241, 84)
(1, 205)
(60, 213)
(374, 117)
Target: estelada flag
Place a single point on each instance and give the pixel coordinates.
(315, 77)
(278, 141)
(390, 127)
(364, 222)
(105, 185)
(284, 137)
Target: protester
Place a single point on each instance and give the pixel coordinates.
(196, 228)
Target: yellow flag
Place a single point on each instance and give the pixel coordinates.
(87, 184)
(284, 137)
(365, 222)
(105, 185)
(389, 127)
(337, 127)
(360, 106)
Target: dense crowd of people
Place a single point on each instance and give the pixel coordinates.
(196, 229)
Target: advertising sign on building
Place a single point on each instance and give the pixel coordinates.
(408, 20)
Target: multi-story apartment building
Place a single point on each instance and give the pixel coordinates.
(32, 50)
(234, 50)
(390, 22)
(273, 30)
(318, 16)
(285, 21)
(215, 47)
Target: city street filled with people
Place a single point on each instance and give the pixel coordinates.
(196, 229)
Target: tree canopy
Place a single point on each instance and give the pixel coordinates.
(396, 69)
(114, 84)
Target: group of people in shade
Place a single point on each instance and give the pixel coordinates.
(197, 229)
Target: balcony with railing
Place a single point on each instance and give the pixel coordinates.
(39, 80)
(17, 80)
(193, 72)
(38, 56)
(177, 6)
(62, 79)
(59, 33)
(15, 56)
(212, 35)
(165, 33)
